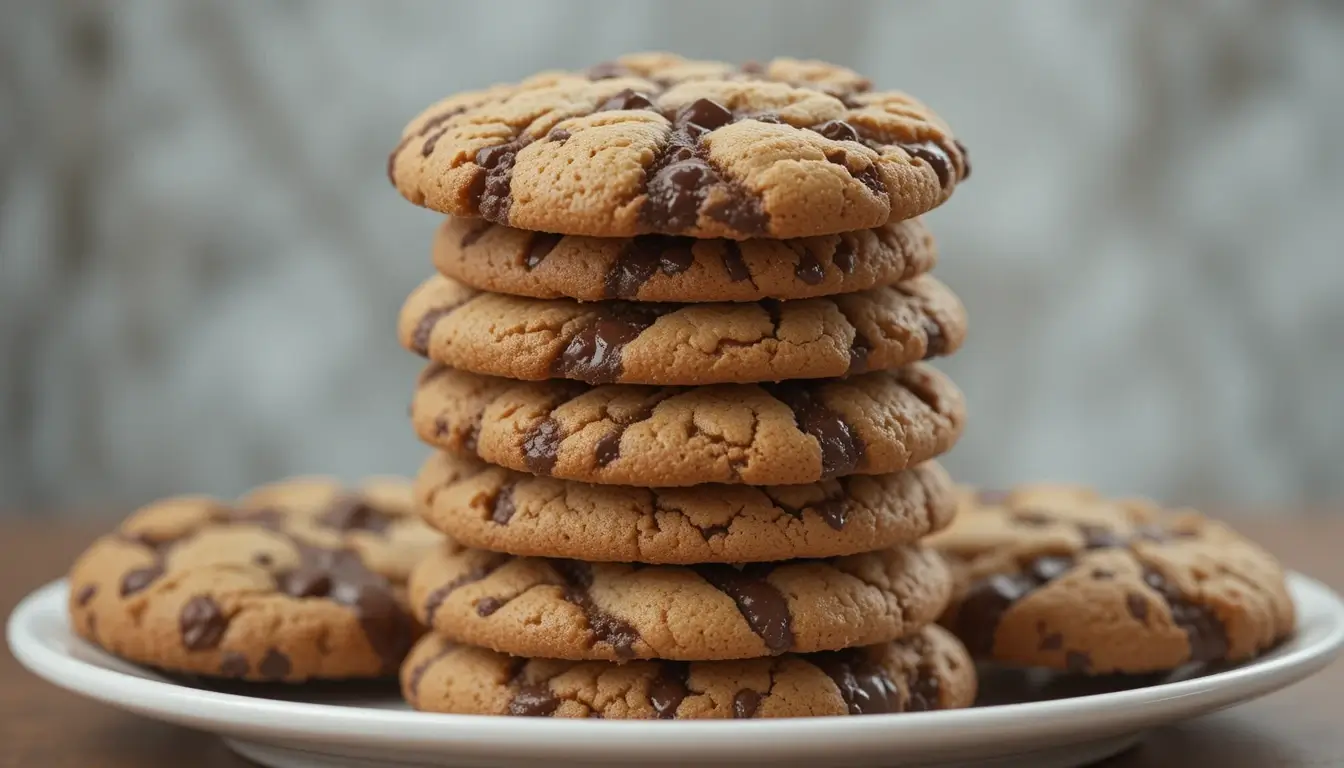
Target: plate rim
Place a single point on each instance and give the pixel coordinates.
(1093, 715)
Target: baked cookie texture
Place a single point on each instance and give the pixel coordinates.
(542, 265)
(655, 143)
(488, 507)
(1058, 576)
(927, 671)
(681, 344)
(299, 580)
(778, 434)
(569, 609)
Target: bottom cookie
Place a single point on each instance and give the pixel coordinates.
(930, 670)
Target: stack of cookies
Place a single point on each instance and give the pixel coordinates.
(676, 386)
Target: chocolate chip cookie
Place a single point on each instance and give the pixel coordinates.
(480, 505)
(668, 268)
(654, 143)
(681, 344)
(927, 671)
(568, 609)
(777, 434)
(300, 580)
(1057, 576)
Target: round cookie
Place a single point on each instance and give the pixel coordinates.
(1057, 576)
(627, 434)
(928, 671)
(488, 507)
(569, 609)
(654, 143)
(668, 268)
(681, 344)
(300, 580)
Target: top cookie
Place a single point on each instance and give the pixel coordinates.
(654, 143)
(299, 580)
(1057, 576)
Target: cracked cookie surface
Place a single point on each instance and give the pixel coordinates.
(654, 143)
(489, 507)
(681, 344)
(1058, 576)
(541, 265)
(927, 671)
(627, 434)
(299, 580)
(569, 609)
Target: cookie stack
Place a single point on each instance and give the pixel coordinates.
(684, 428)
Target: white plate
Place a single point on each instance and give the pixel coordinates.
(332, 726)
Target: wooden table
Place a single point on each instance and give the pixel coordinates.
(41, 725)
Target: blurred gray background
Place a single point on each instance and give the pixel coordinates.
(201, 259)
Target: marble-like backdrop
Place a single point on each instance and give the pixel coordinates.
(202, 260)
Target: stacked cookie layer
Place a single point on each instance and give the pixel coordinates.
(676, 384)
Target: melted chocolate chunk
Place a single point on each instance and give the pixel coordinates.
(608, 448)
(977, 619)
(85, 594)
(644, 256)
(477, 231)
(1204, 630)
(274, 665)
(1138, 607)
(935, 343)
(935, 156)
(351, 513)
(745, 704)
(534, 700)
(487, 606)
(668, 689)
(809, 268)
(837, 130)
(201, 623)
(418, 674)
(704, 113)
(233, 664)
(841, 448)
(594, 353)
(138, 579)
(434, 129)
(859, 350)
(491, 190)
(627, 99)
(834, 511)
(501, 507)
(558, 135)
(843, 257)
(539, 247)
(733, 264)
(965, 159)
(925, 690)
(865, 687)
(578, 579)
(436, 598)
(541, 444)
(762, 605)
(868, 175)
(425, 328)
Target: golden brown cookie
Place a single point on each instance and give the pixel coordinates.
(493, 508)
(1057, 576)
(568, 609)
(668, 268)
(299, 580)
(928, 671)
(681, 344)
(777, 434)
(654, 143)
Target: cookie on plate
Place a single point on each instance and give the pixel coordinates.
(541, 265)
(775, 434)
(654, 143)
(927, 671)
(299, 580)
(488, 507)
(569, 609)
(681, 344)
(1060, 577)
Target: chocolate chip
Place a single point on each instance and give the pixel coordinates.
(1077, 661)
(865, 687)
(202, 623)
(138, 579)
(263, 559)
(1138, 607)
(745, 704)
(534, 700)
(541, 444)
(352, 513)
(925, 690)
(608, 448)
(1100, 537)
(627, 99)
(841, 448)
(578, 579)
(418, 674)
(935, 343)
(85, 594)
(935, 156)
(740, 212)
(843, 256)
(1203, 629)
(476, 232)
(977, 619)
(705, 113)
(668, 689)
(809, 268)
(679, 178)
(425, 328)
(733, 263)
(305, 582)
(274, 665)
(539, 246)
(641, 258)
(593, 355)
(233, 664)
(501, 506)
(868, 175)
(558, 135)
(834, 511)
(486, 606)
(965, 159)
(436, 598)
(837, 130)
(859, 350)
(764, 607)
(491, 190)
(434, 129)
